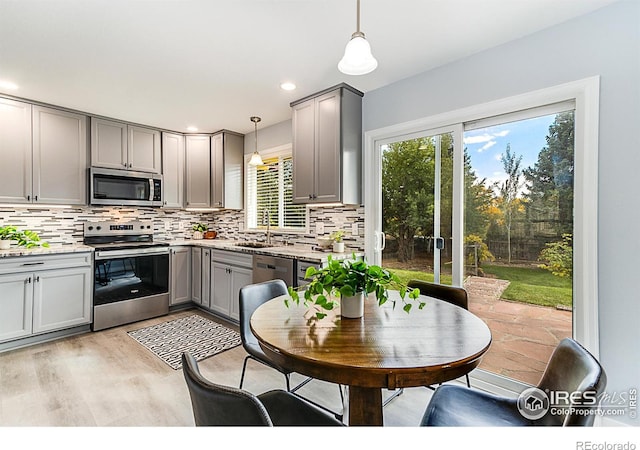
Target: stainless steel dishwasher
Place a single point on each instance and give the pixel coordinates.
(267, 268)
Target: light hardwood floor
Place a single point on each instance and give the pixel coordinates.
(107, 379)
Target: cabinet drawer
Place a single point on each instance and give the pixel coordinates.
(232, 258)
(44, 262)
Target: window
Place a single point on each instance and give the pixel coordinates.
(270, 193)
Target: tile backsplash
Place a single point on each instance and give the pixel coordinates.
(65, 226)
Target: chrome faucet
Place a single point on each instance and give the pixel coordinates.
(266, 219)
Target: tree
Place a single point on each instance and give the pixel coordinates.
(558, 257)
(408, 169)
(509, 190)
(478, 201)
(550, 180)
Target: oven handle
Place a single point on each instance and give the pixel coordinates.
(109, 254)
(151, 190)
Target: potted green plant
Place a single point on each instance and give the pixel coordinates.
(198, 230)
(350, 280)
(26, 238)
(336, 236)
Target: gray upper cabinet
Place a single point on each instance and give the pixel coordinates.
(44, 154)
(198, 171)
(173, 170)
(15, 152)
(327, 147)
(144, 149)
(117, 145)
(60, 157)
(227, 168)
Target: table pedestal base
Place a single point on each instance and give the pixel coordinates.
(365, 406)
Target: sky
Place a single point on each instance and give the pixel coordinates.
(486, 145)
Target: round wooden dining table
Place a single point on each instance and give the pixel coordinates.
(386, 348)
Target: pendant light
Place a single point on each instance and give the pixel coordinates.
(256, 159)
(357, 59)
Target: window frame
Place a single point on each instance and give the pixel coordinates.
(273, 152)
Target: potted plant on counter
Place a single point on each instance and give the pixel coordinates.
(198, 230)
(336, 237)
(350, 280)
(26, 238)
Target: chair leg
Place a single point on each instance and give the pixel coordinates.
(468, 382)
(397, 393)
(244, 368)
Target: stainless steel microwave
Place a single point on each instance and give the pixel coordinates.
(124, 187)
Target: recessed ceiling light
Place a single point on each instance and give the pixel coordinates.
(192, 129)
(288, 86)
(8, 85)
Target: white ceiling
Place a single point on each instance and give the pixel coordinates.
(215, 63)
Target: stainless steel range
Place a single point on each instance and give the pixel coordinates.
(131, 273)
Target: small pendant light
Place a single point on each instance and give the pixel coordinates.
(256, 159)
(357, 59)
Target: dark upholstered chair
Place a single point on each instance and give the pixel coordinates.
(450, 294)
(214, 404)
(251, 297)
(571, 369)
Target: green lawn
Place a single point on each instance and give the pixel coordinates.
(532, 285)
(527, 284)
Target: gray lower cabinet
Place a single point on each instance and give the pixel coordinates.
(230, 271)
(180, 275)
(44, 294)
(200, 275)
(196, 275)
(44, 153)
(327, 146)
(198, 171)
(173, 170)
(118, 145)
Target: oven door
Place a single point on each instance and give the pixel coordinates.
(122, 187)
(122, 275)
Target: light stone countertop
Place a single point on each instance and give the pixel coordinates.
(304, 252)
(53, 250)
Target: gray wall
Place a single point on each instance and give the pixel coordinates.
(606, 43)
(269, 137)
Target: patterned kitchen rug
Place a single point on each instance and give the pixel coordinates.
(194, 334)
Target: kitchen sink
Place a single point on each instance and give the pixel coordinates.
(253, 244)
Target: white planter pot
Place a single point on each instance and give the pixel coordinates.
(352, 307)
(197, 235)
(338, 247)
(5, 244)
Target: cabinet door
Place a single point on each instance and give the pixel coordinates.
(206, 278)
(180, 275)
(217, 170)
(221, 276)
(62, 298)
(173, 170)
(233, 171)
(198, 172)
(327, 148)
(15, 152)
(144, 150)
(240, 277)
(16, 305)
(303, 151)
(108, 144)
(60, 157)
(196, 275)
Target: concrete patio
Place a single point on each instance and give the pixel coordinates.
(524, 335)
